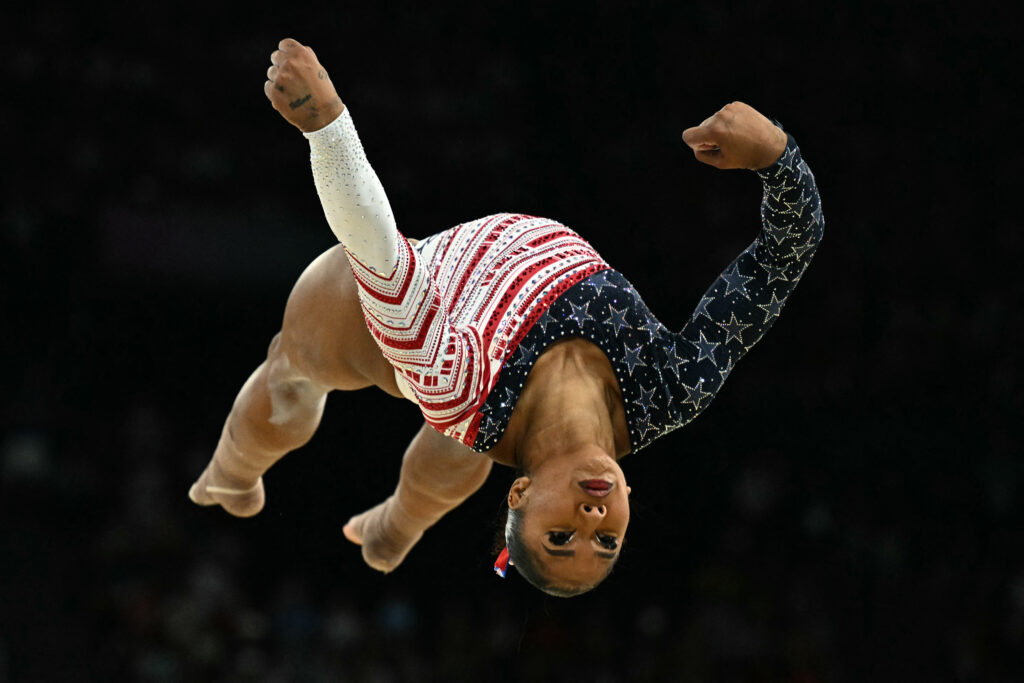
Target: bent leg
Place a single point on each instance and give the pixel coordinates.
(323, 345)
(277, 411)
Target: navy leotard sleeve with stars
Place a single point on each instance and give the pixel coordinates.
(746, 299)
(668, 378)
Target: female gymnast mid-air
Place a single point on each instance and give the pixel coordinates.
(518, 343)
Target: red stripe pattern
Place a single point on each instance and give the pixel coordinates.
(457, 306)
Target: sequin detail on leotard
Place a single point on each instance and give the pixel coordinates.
(668, 378)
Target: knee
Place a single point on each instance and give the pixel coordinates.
(294, 397)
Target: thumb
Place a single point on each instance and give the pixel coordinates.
(700, 137)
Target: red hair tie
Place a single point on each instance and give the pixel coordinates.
(502, 563)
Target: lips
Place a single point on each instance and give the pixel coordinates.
(597, 487)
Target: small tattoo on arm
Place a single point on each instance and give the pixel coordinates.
(321, 75)
(280, 88)
(295, 104)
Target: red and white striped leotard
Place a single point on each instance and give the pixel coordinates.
(449, 312)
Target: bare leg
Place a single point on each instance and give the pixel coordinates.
(323, 345)
(438, 474)
(276, 411)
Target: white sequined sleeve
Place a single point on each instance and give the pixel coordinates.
(354, 201)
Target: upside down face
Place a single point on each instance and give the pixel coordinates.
(577, 518)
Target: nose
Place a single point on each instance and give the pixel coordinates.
(594, 511)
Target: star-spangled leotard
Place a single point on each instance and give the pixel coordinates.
(465, 314)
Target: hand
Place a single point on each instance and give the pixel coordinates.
(300, 89)
(737, 136)
(385, 542)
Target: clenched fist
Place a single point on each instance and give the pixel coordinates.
(737, 136)
(300, 89)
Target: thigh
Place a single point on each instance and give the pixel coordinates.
(324, 334)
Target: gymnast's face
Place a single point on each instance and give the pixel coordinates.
(576, 520)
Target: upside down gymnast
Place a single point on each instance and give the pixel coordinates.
(519, 344)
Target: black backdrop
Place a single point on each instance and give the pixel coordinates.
(848, 509)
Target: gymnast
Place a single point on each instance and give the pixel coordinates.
(518, 343)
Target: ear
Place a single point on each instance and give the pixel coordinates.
(516, 495)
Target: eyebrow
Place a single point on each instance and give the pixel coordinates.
(571, 553)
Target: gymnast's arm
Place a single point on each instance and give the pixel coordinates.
(354, 202)
(745, 300)
(438, 474)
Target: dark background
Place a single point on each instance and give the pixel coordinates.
(849, 509)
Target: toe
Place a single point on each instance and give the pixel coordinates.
(351, 533)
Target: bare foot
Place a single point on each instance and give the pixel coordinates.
(384, 545)
(241, 499)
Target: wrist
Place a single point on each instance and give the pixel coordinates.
(773, 150)
(319, 117)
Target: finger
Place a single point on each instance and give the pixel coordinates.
(276, 57)
(710, 157)
(288, 44)
(272, 72)
(699, 135)
(268, 90)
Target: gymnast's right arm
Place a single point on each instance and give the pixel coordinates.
(438, 474)
(356, 207)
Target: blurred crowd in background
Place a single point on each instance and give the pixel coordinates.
(848, 509)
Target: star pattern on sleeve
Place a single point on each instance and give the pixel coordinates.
(664, 381)
(746, 299)
(673, 361)
(778, 193)
(727, 370)
(776, 272)
(702, 308)
(651, 327)
(734, 328)
(735, 281)
(801, 249)
(779, 233)
(772, 308)
(798, 206)
(695, 395)
(706, 349)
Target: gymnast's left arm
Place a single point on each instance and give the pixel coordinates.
(745, 300)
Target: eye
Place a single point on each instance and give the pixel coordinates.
(609, 542)
(559, 537)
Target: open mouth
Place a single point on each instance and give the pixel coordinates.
(597, 487)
